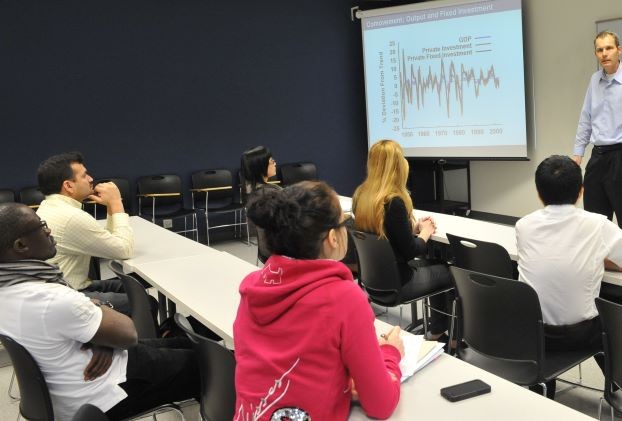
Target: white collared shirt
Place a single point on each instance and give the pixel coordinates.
(561, 253)
(79, 236)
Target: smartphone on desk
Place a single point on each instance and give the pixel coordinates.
(465, 390)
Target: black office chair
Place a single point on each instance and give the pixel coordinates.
(160, 197)
(7, 196)
(380, 277)
(296, 172)
(126, 196)
(213, 191)
(502, 326)
(481, 256)
(31, 197)
(263, 251)
(217, 366)
(35, 403)
(611, 319)
(139, 302)
(88, 412)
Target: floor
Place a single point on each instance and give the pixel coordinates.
(582, 399)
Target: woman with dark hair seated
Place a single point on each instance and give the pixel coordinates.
(304, 333)
(257, 167)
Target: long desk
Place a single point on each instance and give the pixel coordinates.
(152, 243)
(206, 281)
(183, 271)
(504, 235)
(421, 400)
(206, 284)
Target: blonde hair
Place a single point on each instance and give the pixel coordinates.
(387, 173)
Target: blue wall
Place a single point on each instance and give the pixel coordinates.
(145, 87)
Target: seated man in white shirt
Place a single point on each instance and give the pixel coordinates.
(65, 182)
(87, 352)
(562, 253)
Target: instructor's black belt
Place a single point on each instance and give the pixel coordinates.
(602, 149)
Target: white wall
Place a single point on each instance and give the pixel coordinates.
(558, 42)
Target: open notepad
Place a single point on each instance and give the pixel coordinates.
(417, 354)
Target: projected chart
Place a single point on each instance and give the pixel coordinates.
(433, 81)
(448, 85)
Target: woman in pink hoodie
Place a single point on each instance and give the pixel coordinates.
(304, 335)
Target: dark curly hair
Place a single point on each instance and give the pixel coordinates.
(297, 218)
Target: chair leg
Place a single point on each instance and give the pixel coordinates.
(237, 230)
(413, 317)
(544, 389)
(424, 310)
(207, 226)
(600, 407)
(451, 326)
(580, 375)
(248, 235)
(13, 398)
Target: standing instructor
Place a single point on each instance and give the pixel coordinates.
(600, 124)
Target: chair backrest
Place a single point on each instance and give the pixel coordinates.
(139, 303)
(217, 367)
(378, 271)
(35, 403)
(611, 319)
(31, 196)
(160, 184)
(501, 318)
(481, 256)
(298, 171)
(243, 186)
(7, 196)
(263, 251)
(88, 412)
(124, 188)
(212, 179)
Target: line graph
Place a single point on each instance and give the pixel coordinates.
(447, 80)
(415, 83)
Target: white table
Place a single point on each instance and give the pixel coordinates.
(505, 235)
(206, 284)
(421, 400)
(161, 258)
(152, 243)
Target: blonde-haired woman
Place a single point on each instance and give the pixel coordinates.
(382, 205)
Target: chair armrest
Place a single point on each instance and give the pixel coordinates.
(158, 194)
(206, 189)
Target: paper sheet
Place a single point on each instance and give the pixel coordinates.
(417, 354)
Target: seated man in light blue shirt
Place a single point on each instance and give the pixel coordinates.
(601, 125)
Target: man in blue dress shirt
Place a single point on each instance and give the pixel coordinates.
(600, 124)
